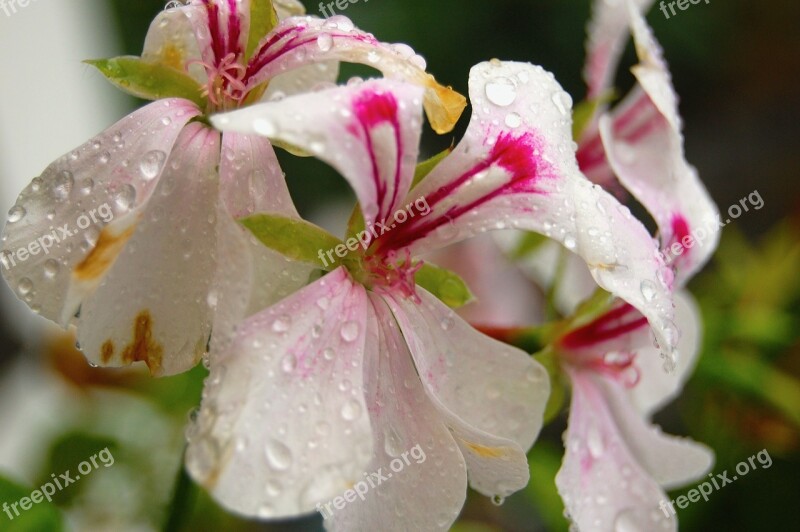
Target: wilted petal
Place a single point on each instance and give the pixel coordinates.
(283, 423)
(301, 41)
(426, 489)
(517, 168)
(490, 394)
(109, 177)
(151, 305)
(601, 481)
(644, 146)
(369, 133)
(608, 32)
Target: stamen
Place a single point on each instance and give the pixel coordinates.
(225, 82)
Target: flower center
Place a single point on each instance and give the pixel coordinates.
(225, 89)
(389, 273)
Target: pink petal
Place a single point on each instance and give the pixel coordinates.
(426, 478)
(517, 168)
(298, 42)
(607, 34)
(110, 177)
(283, 423)
(171, 41)
(645, 150)
(369, 133)
(602, 483)
(151, 305)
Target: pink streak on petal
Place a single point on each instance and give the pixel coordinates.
(217, 39)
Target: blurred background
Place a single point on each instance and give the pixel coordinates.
(734, 64)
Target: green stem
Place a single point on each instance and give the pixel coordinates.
(182, 503)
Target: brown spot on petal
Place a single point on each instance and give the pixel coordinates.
(144, 348)
(486, 452)
(107, 351)
(105, 252)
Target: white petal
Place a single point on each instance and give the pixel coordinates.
(671, 461)
(171, 41)
(106, 179)
(655, 387)
(601, 482)
(426, 479)
(283, 422)
(152, 305)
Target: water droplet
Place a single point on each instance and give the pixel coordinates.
(350, 331)
(649, 290)
(594, 441)
(392, 442)
(569, 242)
(501, 91)
(212, 299)
(152, 163)
(513, 120)
(282, 324)
(562, 101)
(273, 488)
(447, 323)
(50, 268)
(125, 197)
(16, 214)
(86, 186)
(498, 500)
(279, 457)
(351, 410)
(264, 127)
(325, 42)
(62, 186)
(289, 363)
(24, 286)
(328, 353)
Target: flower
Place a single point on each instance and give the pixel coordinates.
(320, 400)
(157, 258)
(640, 141)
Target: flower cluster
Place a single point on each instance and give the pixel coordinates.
(323, 367)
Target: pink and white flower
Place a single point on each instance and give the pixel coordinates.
(147, 281)
(337, 379)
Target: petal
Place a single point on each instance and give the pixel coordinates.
(171, 41)
(647, 155)
(369, 133)
(152, 305)
(607, 34)
(601, 482)
(221, 27)
(107, 178)
(491, 395)
(517, 168)
(504, 296)
(250, 276)
(671, 461)
(283, 421)
(301, 41)
(655, 387)
(425, 476)
(302, 79)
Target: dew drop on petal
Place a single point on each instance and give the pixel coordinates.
(282, 323)
(562, 101)
(16, 214)
(349, 331)
(513, 120)
(51, 268)
(649, 290)
(152, 163)
(279, 457)
(501, 91)
(25, 286)
(351, 410)
(289, 363)
(325, 42)
(63, 184)
(125, 197)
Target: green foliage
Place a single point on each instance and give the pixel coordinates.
(150, 81)
(41, 516)
(294, 238)
(262, 20)
(444, 284)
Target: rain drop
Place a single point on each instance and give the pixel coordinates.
(501, 91)
(16, 214)
(350, 331)
(649, 290)
(325, 42)
(281, 324)
(279, 457)
(50, 268)
(152, 163)
(289, 363)
(125, 197)
(351, 410)
(25, 286)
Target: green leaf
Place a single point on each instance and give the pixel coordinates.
(544, 461)
(263, 19)
(150, 81)
(584, 112)
(529, 243)
(425, 167)
(296, 239)
(40, 516)
(558, 386)
(444, 284)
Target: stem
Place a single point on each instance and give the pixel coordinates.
(183, 498)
